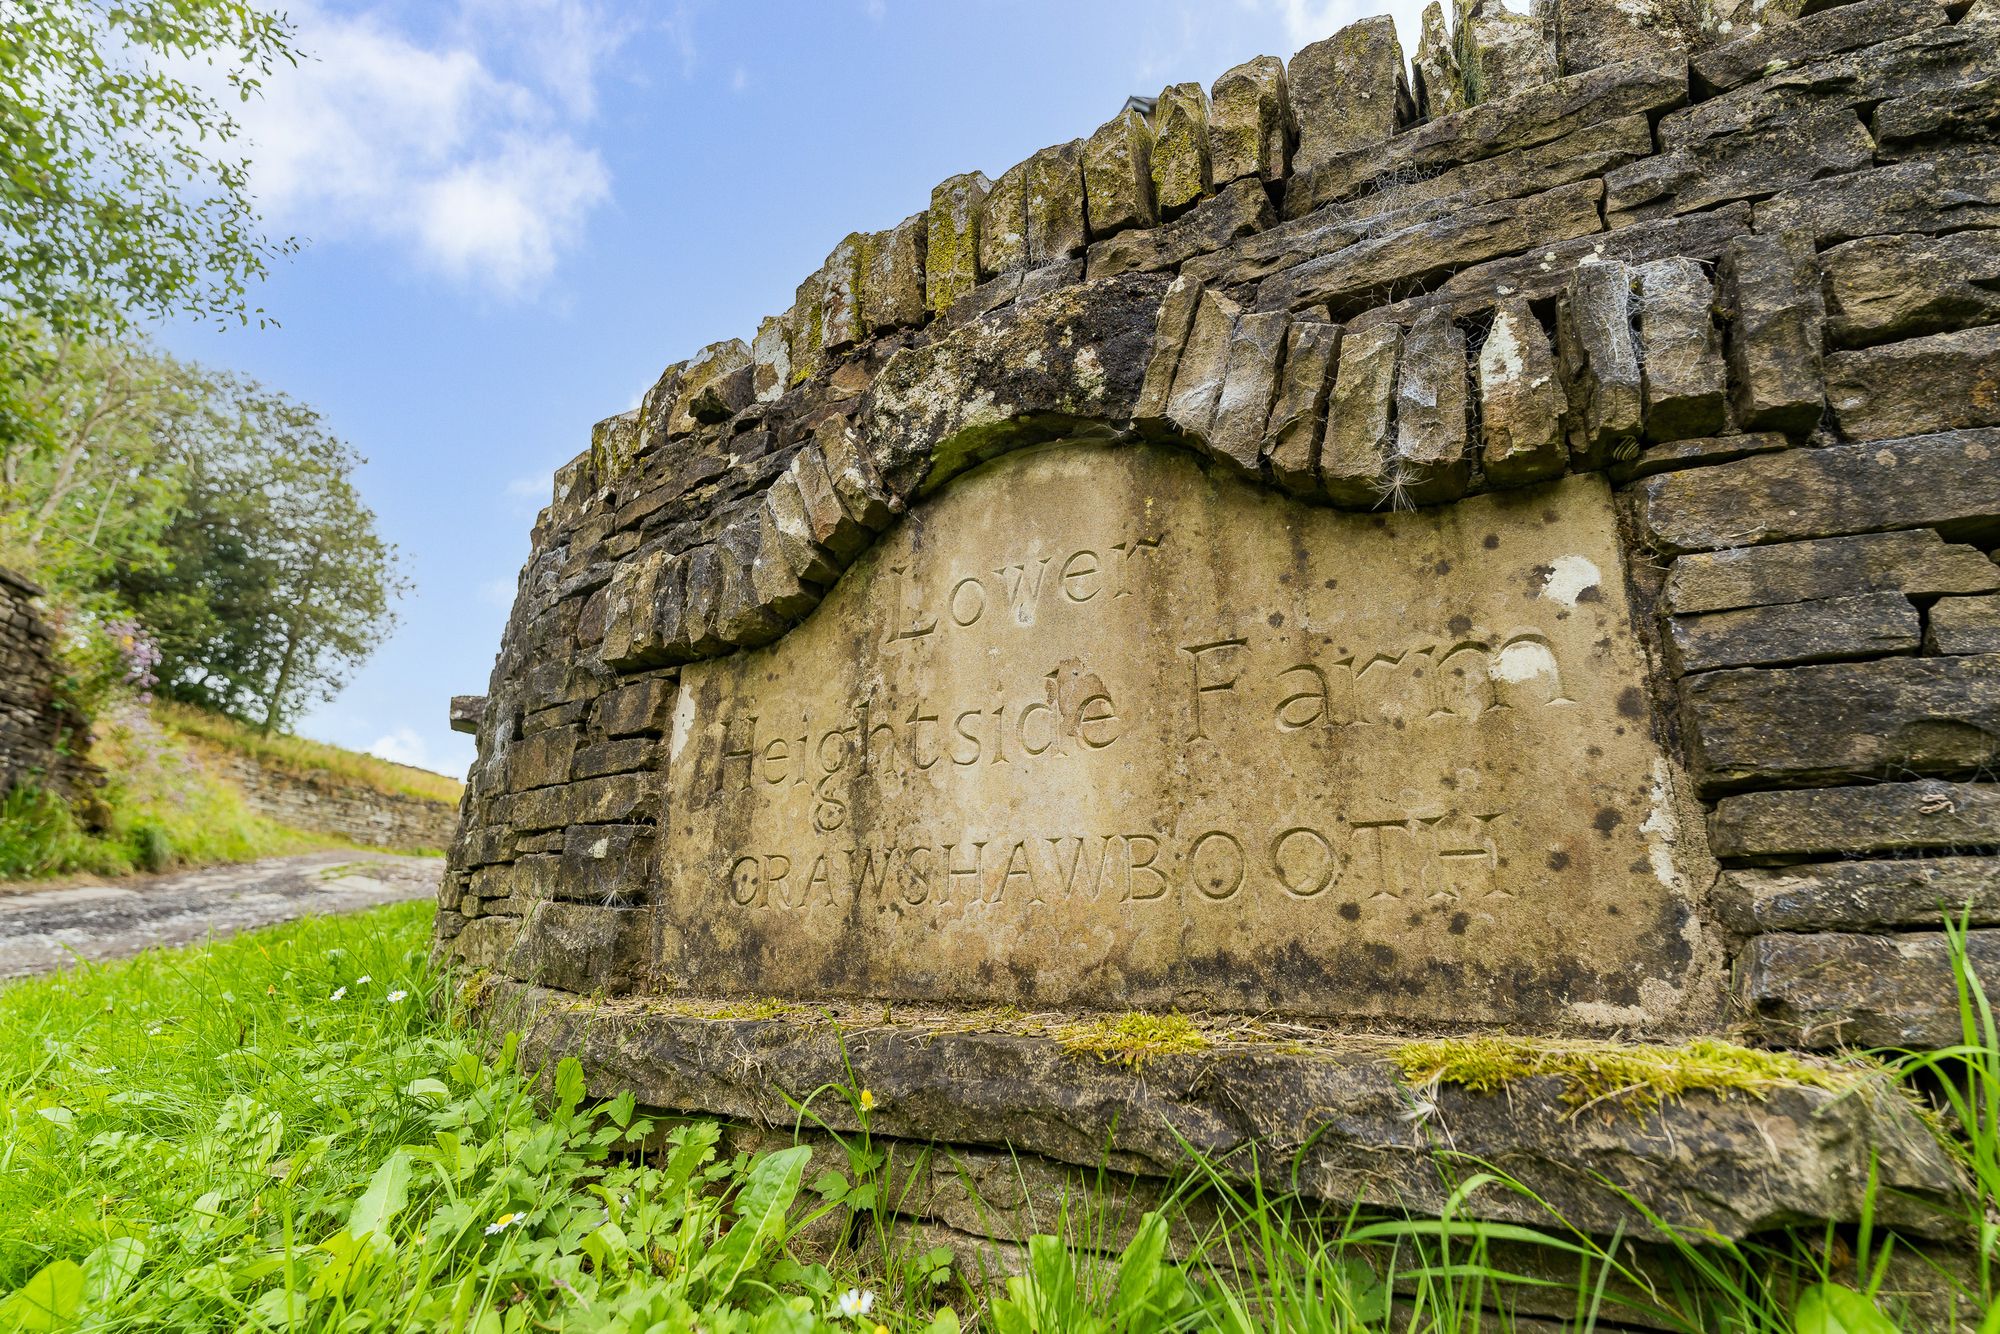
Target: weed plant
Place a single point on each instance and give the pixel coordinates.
(293, 1130)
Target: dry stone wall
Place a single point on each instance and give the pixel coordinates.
(41, 744)
(1599, 352)
(352, 811)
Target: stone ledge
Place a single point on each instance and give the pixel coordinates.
(1334, 1120)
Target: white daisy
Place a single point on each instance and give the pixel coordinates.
(396, 996)
(502, 1223)
(338, 993)
(854, 1302)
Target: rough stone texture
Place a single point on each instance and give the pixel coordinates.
(1882, 288)
(1863, 991)
(1437, 86)
(709, 364)
(1937, 383)
(1349, 92)
(1963, 625)
(1772, 301)
(1182, 168)
(1118, 175)
(1238, 210)
(42, 742)
(1925, 816)
(1504, 52)
(1052, 199)
(1864, 895)
(951, 250)
(1389, 265)
(1680, 351)
(1591, 33)
(350, 810)
(1857, 488)
(1431, 463)
(1528, 118)
(1916, 562)
(1523, 407)
(1354, 455)
(1600, 363)
(1298, 417)
(1249, 387)
(1204, 364)
(1334, 1124)
(1845, 720)
(1250, 123)
(1815, 604)
(465, 712)
(1003, 224)
(1832, 30)
(1865, 626)
(994, 810)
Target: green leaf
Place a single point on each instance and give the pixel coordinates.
(428, 1088)
(51, 1299)
(387, 1192)
(944, 1322)
(1138, 1268)
(1832, 1308)
(112, 1268)
(767, 1193)
(569, 1085)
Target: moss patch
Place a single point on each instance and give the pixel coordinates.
(1643, 1076)
(1133, 1039)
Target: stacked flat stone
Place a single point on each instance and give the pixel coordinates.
(1746, 273)
(42, 743)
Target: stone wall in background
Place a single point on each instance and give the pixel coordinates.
(352, 811)
(1699, 314)
(40, 743)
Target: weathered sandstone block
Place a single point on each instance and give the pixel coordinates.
(1249, 385)
(1680, 351)
(1938, 383)
(1298, 418)
(1431, 463)
(1881, 288)
(1863, 895)
(1182, 167)
(973, 826)
(1349, 91)
(1522, 405)
(1863, 991)
(1924, 816)
(1118, 175)
(951, 249)
(1917, 563)
(1354, 455)
(1250, 123)
(1963, 625)
(1826, 630)
(1600, 363)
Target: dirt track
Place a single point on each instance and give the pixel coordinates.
(42, 929)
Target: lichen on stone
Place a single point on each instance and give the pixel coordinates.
(1134, 1038)
(1637, 1074)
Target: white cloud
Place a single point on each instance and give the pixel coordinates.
(402, 746)
(462, 147)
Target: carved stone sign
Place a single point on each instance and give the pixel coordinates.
(1096, 727)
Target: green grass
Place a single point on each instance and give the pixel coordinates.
(163, 809)
(298, 756)
(291, 1130)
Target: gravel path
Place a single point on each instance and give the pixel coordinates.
(41, 929)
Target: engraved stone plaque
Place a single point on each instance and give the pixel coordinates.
(1095, 727)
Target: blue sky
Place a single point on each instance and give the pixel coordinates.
(518, 211)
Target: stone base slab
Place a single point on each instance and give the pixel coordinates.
(1333, 1119)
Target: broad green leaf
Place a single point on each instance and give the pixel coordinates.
(760, 1213)
(569, 1085)
(387, 1192)
(435, 1089)
(1832, 1308)
(112, 1268)
(1138, 1269)
(51, 1299)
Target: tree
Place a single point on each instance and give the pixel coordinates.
(88, 485)
(276, 585)
(119, 198)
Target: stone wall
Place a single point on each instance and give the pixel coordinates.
(1740, 282)
(353, 811)
(40, 744)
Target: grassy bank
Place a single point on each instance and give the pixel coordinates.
(161, 807)
(303, 758)
(164, 804)
(289, 1131)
